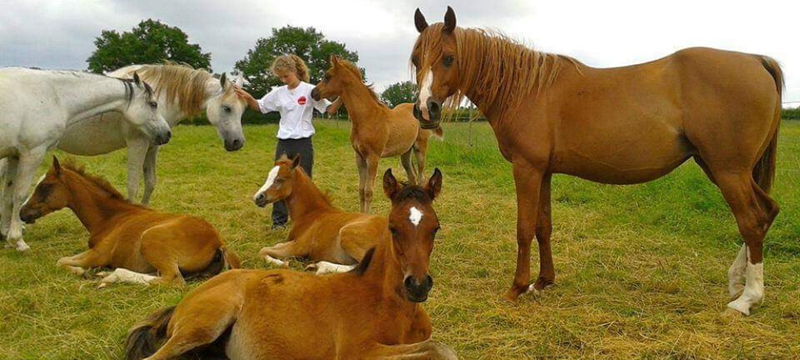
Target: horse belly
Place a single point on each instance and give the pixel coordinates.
(92, 136)
(640, 157)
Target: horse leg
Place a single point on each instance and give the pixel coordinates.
(754, 212)
(281, 251)
(200, 320)
(137, 150)
(425, 350)
(405, 159)
(166, 265)
(26, 169)
(544, 228)
(362, 179)
(372, 170)
(126, 276)
(421, 153)
(528, 182)
(325, 267)
(7, 199)
(149, 173)
(78, 264)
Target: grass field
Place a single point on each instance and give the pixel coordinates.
(641, 270)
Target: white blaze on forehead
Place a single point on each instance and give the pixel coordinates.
(415, 216)
(425, 89)
(270, 180)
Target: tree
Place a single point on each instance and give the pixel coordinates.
(398, 93)
(150, 42)
(309, 44)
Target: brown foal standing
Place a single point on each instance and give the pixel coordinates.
(633, 124)
(336, 239)
(372, 312)
(377, 131)
(131, 238)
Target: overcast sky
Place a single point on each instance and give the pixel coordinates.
(607, 33)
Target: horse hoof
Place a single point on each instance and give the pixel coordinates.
(22, 246)
(732, 314)
(511, 295)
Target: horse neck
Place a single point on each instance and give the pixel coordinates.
(495, 108)
(359, 102)
(85, 95)
(305, 198)
(91, 204)
(385, 276)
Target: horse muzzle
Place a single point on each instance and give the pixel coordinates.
(417, 291)
(234, 145)
(434, 111)
(29, 216)
(261, 200)
(315, 94)
(162, 138)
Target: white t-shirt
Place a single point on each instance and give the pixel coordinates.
(296, 107)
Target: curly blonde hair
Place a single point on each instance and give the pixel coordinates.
(291, 63)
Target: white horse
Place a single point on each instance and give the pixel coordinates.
(35, 108)
(182, 92)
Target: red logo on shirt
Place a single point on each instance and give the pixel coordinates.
(301, 100)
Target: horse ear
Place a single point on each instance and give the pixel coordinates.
(419, 21)
(223, 81)
(295, 161)
(449, 21)
(434, 185)
(56, 165)
(239, 82)
(390, 185)
(136, 79)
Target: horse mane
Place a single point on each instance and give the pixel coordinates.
(494, 68)
(357, 72)
(363, 266)
(412, 192)
(183, 85)
(98, 181)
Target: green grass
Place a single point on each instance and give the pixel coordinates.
(641, 270)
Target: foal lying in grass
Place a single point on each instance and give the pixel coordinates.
(321, 232)
(132, 239)
(371, 312)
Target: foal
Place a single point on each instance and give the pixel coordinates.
(133, 239)
(377, 132)
(372, 312)
(320, 231)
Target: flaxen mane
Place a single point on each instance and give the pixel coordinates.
(183, 85)
(71, 165)
(357, 72)
(493, 68)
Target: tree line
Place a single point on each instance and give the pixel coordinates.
(154, 42)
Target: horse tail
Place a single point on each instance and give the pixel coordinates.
(223, 258)
(231, 259)
(764, 170)
(145, 336)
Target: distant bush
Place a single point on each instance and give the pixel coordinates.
(791, 114)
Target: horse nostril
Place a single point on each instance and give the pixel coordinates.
(433, 108)
(408, 283)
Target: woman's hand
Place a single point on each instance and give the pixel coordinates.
(244, 95)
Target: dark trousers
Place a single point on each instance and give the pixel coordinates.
(291, 147)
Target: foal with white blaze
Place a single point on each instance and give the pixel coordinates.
(37, 106)
(183, 93)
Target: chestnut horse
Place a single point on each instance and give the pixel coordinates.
(371, 312)
(377, 131)
(336, 239)
(130, 238)
(551, 114)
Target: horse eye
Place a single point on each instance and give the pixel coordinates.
(153, 104)
(393, 231)
(226, 108)
(448, 60)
